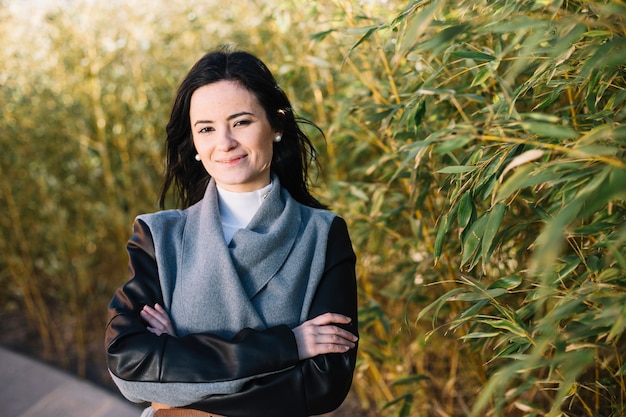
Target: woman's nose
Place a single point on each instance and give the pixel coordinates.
(226, 141)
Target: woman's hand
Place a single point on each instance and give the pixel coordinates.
(319, 336)
(158, 320)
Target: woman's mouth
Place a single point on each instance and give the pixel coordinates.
(232, 161)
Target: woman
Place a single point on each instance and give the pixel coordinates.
(242, 303)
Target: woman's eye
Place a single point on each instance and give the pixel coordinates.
(206, 129)
(242, 122)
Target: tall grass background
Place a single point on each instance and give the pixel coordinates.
(476, 149)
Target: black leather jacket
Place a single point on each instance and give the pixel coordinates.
(309, 387)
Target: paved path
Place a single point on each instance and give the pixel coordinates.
(29, 388)
(32, 389)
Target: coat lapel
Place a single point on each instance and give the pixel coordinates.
(208, 290)
(261, 249)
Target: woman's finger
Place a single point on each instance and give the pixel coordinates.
(330, 339)
(149, 317)
(328, 318)
(158, 320)
(336, 331)
(159, 314)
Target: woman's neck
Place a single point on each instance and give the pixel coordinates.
(237, 209)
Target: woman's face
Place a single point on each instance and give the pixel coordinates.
(232, 135)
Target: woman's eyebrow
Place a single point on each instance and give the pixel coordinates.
(236, 115)
(231, 117)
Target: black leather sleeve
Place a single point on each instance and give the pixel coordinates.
(135, 354)
(317, 385)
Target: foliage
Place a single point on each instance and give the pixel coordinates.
(501, 139)
(476, 149)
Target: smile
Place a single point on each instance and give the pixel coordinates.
(231, 161)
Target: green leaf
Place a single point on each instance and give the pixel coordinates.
(479, 296)
(457, 169)
(476, 56)
(598, 33)
(483, 75)
(465, 210)
(523, 177)
(606, 187)
(509, 282)
(541, 117)
(480, 335)
(438, 303)
(471, 312)
(508, 325)
(550, 240)
(453, 144)
(565, 44)
(549, 130)
(608, 275)
(419, 113)
(411, 379)
(319, 36)
(367, 32)
(416, 26)
(568, 267)
(443, 39)
(441, 233)
(608, 55)
(494, 220)
(471, 239)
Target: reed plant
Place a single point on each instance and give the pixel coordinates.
(489, 206)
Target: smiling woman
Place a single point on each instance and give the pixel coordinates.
(243, 302)
(232, 136)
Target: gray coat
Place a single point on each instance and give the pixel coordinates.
(265, 277)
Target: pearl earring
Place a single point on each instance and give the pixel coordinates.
(277, 138)
(198, 157)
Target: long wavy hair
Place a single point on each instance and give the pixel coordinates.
(292, 156)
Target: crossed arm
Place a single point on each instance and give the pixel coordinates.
(317, 336)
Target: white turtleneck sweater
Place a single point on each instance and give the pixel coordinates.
(237, 209)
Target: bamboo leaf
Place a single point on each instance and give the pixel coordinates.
(465, 210)
(442, 230)
(470, 313)
(480, 296)
(410, 380)
(525, 177)
(479, 335)
(549, 130)
(524, 158)
(509, 282)
(438, 303)
(367, 32)
(508, 325)
(609, 55)
(483, 75)
(606, 187)
(459, 169)
(417, 24)
(472, 238)
(414, 152)
(452, 144)
(443, 39)
(494, 220)
(476, 56)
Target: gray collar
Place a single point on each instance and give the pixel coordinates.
(221, 281)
